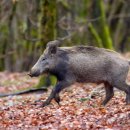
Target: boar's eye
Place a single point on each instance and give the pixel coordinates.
(43, 59)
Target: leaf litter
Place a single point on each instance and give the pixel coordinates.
(77, 111)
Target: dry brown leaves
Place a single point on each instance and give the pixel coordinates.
(75, 112)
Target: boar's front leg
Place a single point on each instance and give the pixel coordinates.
(109, 93)
(55, 92)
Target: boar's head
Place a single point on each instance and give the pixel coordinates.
(47, 60)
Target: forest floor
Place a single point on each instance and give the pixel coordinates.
(79, 108)
(76, 112)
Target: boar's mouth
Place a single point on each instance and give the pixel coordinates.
(36, 74)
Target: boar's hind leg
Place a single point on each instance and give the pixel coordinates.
(128, 96)
(124, 87)
(109, 93)
(55, 92)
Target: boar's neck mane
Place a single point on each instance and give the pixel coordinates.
(86, 49)
(81, 49)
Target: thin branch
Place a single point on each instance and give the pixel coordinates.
(9, 53)
(32, 22)
(120, 16)
(24, 92)
(66, 37)
(34, 40)
(94, 19)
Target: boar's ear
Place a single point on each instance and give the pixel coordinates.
(52, 48)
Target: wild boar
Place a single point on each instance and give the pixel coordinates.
(83, 64)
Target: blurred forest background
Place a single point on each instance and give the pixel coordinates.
(27, 25)
(25, 28)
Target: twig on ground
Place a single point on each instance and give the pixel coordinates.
(25, 92)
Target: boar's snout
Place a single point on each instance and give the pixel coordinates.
(34, 72)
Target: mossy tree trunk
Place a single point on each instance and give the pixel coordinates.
(106, 38)
(47, 32)
(101, 30)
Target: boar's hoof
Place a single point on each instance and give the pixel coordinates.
(44, 104)
(103, 104)
(128, 99)
(37, 102)
(57, 99)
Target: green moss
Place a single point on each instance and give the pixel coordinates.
(46, 81)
